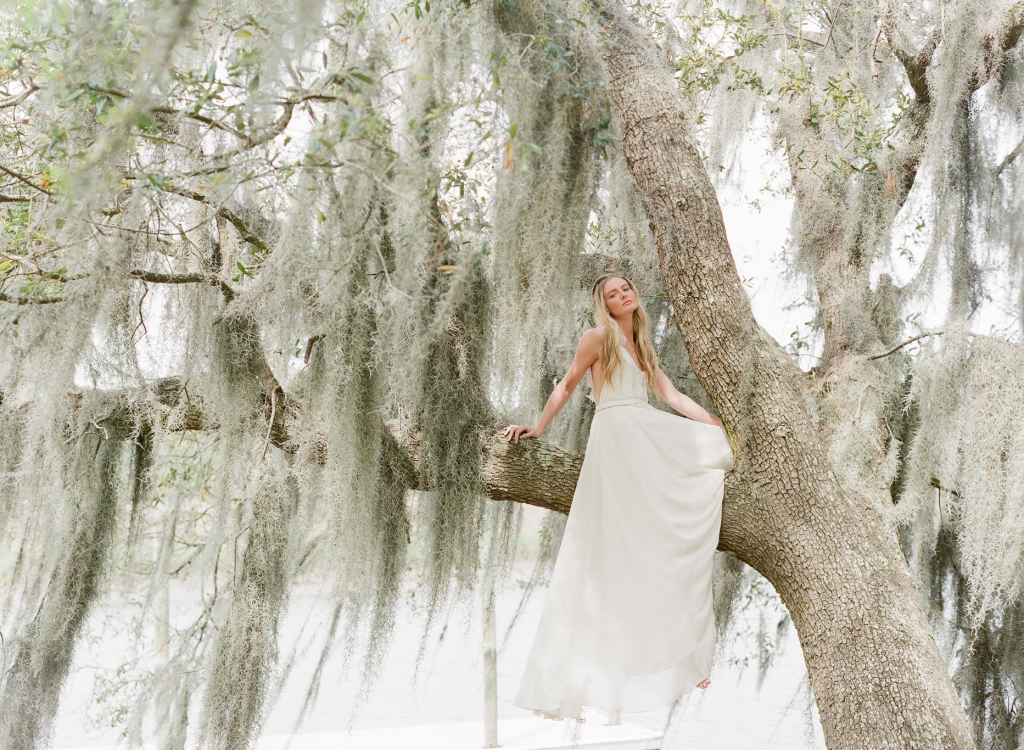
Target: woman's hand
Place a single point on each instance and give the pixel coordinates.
(515, 431)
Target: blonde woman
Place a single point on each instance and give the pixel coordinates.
(627, 623)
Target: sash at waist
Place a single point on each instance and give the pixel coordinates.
(622, 402)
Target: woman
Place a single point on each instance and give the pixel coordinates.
(628, 623)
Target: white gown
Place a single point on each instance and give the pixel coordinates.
(627, 623)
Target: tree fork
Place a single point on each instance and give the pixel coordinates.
(878, 676)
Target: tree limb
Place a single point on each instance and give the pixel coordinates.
(26, 300)
(905, 343)
(246, 234)
(154, 277)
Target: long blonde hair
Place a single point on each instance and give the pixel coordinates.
(611, 353)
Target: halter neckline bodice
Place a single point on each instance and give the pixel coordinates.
(628, 385)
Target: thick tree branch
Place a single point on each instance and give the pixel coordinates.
(154, 277)
(1001, 34)
(27, 300)
(914, 62)
(533, 472)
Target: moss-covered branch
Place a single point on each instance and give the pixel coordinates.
(533, 472)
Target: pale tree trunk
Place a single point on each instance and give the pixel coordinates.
(878, 676)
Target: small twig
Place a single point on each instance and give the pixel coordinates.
(832, 26)
(142, 319)
(874, 48)
(309, 347)
(905, 343)
(270, 429)
(1017, 151)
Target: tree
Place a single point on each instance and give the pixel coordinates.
(347, 234)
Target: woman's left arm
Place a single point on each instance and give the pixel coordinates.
(681, 402)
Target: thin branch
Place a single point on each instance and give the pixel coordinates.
(23, 178)
(250, 140)
(1017, 151)
(790, 35)
(18, 98)
(309, 347)
(905, 343)
(164, 110)
(831, 28)
(874, 59)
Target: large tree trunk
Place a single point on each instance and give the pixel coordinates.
(879, 679)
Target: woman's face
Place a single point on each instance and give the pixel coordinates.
(619, 297)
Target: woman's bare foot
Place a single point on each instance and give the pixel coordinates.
(703, 685)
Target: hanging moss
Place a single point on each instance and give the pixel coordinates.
(559, 117)
(247, 644)
(37, 659)
(386, 223)
(454, 419)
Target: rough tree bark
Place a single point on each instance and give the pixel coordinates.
(878, 676)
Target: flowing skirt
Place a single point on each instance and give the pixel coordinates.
(628, 623)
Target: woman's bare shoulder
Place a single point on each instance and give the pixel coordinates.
(592, 339)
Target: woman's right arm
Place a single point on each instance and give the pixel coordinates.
(586, 354)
